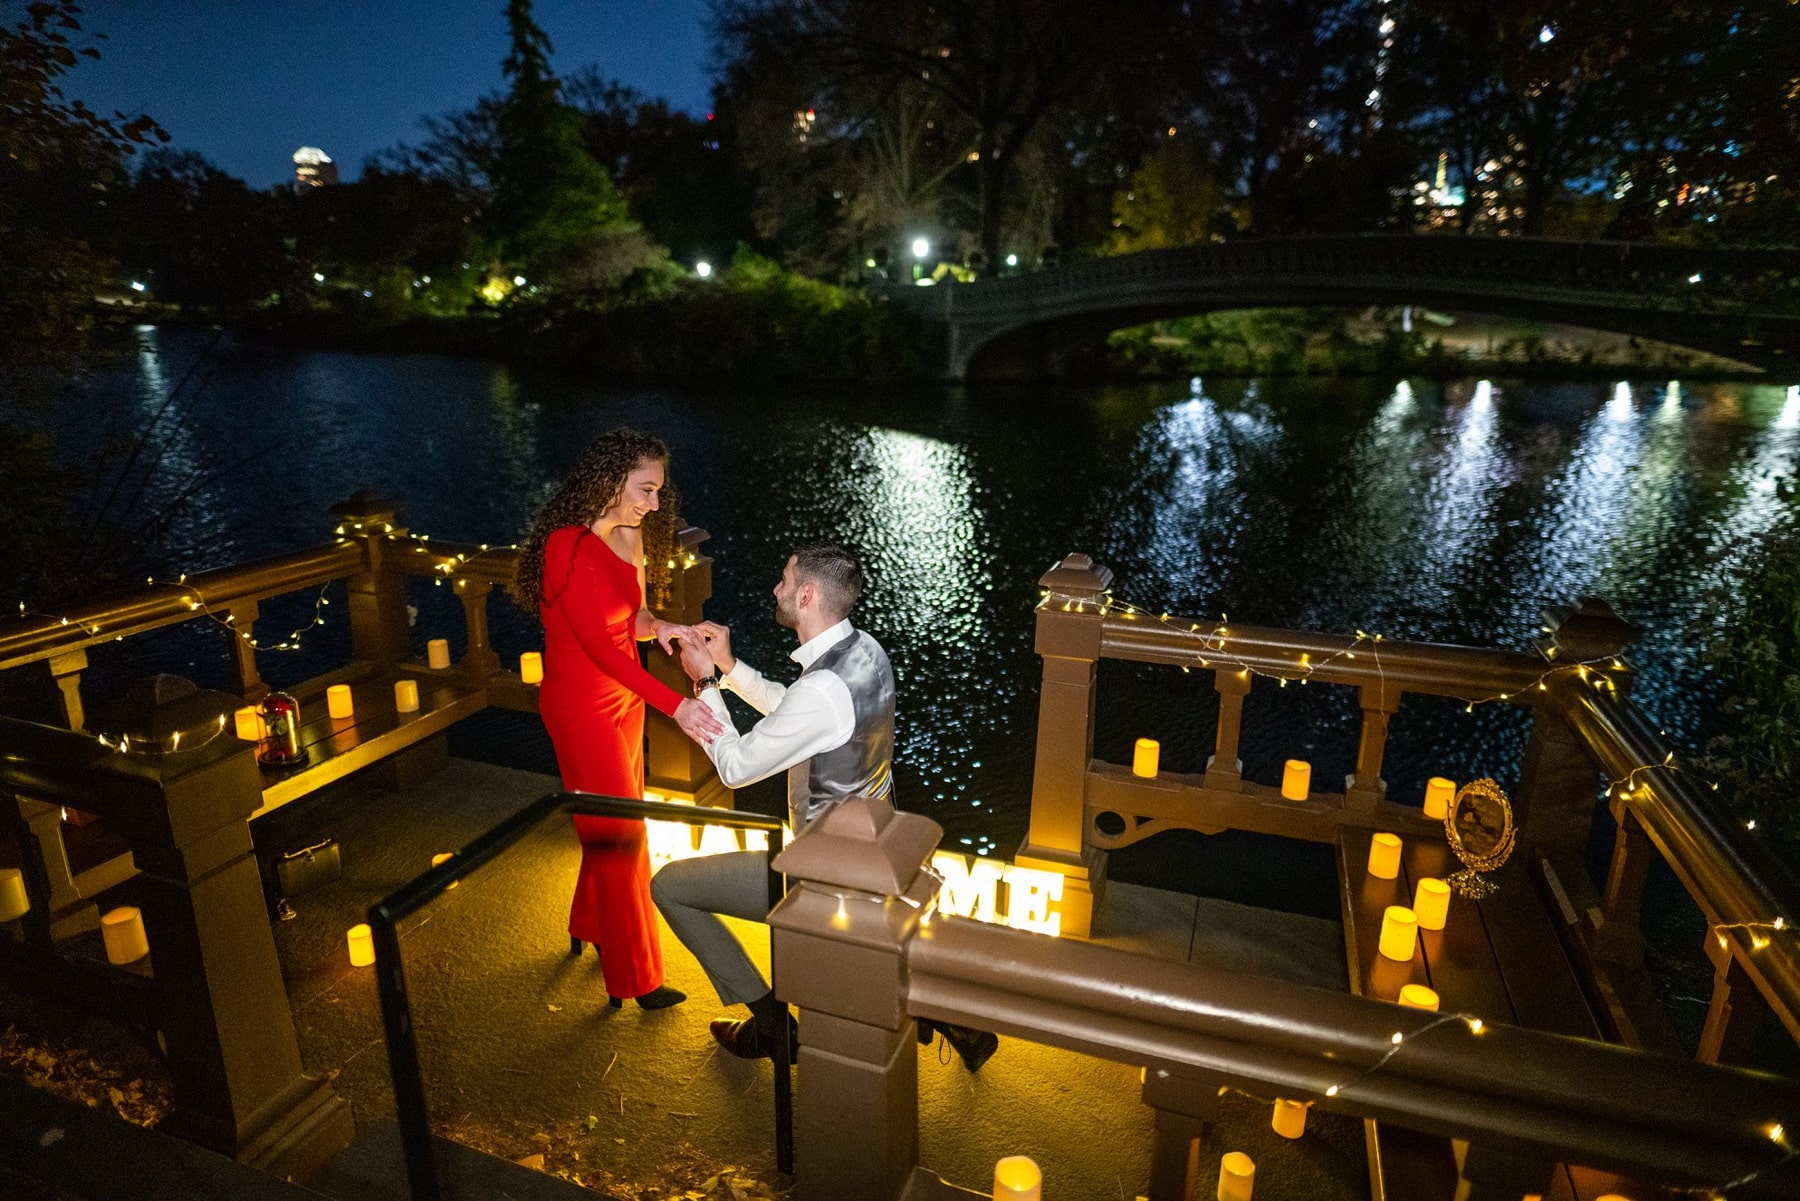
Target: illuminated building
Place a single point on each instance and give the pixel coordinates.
(313, 168)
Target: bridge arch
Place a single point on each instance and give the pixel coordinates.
(1740, 304)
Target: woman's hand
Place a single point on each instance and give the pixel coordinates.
(697, 721)
(667, 632)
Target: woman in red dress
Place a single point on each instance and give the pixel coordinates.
(582, 566)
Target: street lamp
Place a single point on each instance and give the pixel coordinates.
(703, 269)
(921, 247)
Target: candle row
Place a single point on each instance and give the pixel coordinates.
(1296, 778)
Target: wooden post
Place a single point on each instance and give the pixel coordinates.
(1365, 789)
(1183, 1103)
(839, 950)
(1735, 1012)
(675, 764)
(1224, 770)
(379, 630)
(1069, 624)
(243, 617)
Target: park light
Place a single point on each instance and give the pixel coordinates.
(1012, 260)
(703, 269)
(518, 281)
(136, 286)
(318, 278)
(1546, 34)
(920, 248)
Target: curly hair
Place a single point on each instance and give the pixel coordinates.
(591, 487)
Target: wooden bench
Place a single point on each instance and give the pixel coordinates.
(1499, 959)
(375, 732)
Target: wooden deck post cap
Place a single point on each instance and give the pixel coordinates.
(1077, 575)
(865, 844)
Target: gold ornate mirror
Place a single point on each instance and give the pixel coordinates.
(1479, 826)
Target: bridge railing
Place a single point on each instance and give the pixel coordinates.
(1587, 742)
(860, 908)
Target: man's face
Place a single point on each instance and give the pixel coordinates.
(787, 593)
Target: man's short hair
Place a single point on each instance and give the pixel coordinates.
(835, 571)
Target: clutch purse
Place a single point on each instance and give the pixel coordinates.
(309, 868)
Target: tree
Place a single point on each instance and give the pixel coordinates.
(553, 209)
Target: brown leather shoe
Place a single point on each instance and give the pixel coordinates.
(740, 1037)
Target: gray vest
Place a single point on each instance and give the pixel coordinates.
(864, 764)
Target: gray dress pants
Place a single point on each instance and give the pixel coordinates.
(691, 893)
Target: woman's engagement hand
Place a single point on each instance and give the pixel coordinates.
(718, 641)
(667, 632)
(697, 721)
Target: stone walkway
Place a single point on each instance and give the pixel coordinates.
(520, 1049)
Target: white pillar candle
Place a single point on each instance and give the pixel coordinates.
(15, 902)
(1417, 996)
(1017, 1178)
(1237, 1176)
(1399, 933)
(406, 696)
(1431, 901)
(1145, 757)
(1384, 856)
(339, 703)
(362, 945)
(437, 654)
(249, 723)
(1296, 779)
(1289, 1118)
(122, 930)
(1438, 792)
(531, 667)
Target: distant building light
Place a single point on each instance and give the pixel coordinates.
(703, 269)
(518, 281)
(318, 278)
(426, 278)
(921, 247)
(1546, 34)
(1694, 278)
(313, 167)
(310, 156)
(869, 263)
(136, 286)
(367, 293)
(1012, 260)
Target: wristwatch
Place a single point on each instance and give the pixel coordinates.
(703, 683)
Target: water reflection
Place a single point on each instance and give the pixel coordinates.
(1459, 499)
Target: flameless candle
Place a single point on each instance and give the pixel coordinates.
(437, 654)
(1237, 1176)
(1289, 1120)
(122, 930)
(1438, 792)
(531, 667)
(338, 702)
(1145, 756)
(1384, 856)
(406, 696)
(1417, 996)
(1296, 779)
(362, 945)
(249, 724)
(1017, 1178)
(14, 901)
(1399, 931)
(1431, 902)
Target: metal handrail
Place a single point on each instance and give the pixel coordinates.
(396, 1010)
(1570, 1100)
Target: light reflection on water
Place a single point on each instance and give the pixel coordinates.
(1446, 512)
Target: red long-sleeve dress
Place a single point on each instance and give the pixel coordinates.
(592, 703)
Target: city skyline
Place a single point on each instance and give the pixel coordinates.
(248, 85)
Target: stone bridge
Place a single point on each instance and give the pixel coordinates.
(1741, 303)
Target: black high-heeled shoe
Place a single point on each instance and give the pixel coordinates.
(575, 945)
(660, 997)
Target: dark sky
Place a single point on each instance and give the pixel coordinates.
(246, 82)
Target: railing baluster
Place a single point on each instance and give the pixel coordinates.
(1619, 939)
(479, 656)
(65, 673)
(379, 630)
(243, 616)
(1184, 1102)
(1224, 770)
(1735, 1013)
(1365, 790)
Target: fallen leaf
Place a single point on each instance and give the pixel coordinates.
(535, 1162)
(51, 1137)
(590, 1123)
(554, 1008)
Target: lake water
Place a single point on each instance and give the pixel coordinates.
(1446, 512)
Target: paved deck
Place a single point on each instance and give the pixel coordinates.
(517, 1035)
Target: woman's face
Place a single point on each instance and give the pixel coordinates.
(643, 488)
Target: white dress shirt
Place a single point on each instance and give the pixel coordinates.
(812, 715)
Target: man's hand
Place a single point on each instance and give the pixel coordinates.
(718, 641)
(697, 721)
(696, 659)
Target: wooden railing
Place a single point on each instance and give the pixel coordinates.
(1587, 739)
(860, 908)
